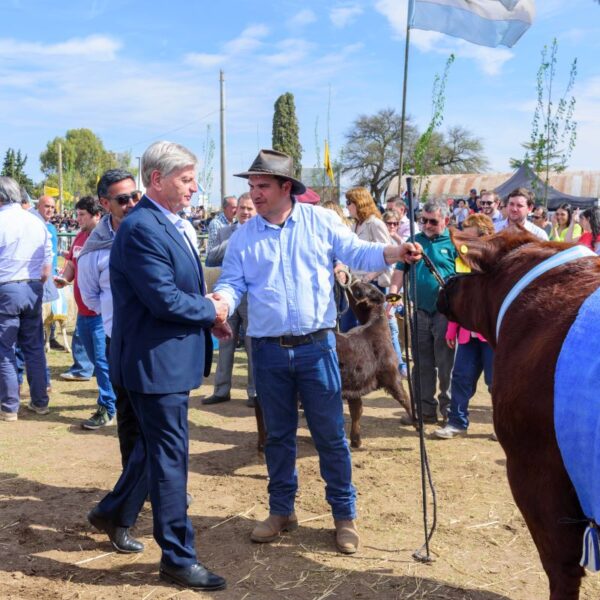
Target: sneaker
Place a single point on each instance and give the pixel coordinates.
(40, 410)
(68, 376)
(449, 431)
(56, 345)
(99, 419)
(8, 416)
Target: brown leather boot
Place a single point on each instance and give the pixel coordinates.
(270, 529)
(346, 536)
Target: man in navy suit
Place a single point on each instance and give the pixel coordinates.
(160, 348)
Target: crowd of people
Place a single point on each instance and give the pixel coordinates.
(146, 323)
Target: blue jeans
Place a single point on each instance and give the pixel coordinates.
(311, 369)
(93, 337)
(21, 323)
(396, 340)
(82, 366)
(471, 360)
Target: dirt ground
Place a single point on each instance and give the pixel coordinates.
(52, 472)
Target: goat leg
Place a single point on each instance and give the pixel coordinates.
(356, 409)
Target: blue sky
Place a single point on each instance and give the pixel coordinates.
(134, 72)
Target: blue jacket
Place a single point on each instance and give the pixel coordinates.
(161, 339)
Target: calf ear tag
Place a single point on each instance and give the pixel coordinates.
(393, 298)
(464, 249)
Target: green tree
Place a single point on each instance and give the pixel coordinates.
(372, 151)
(286, 130)
(553, 129)
(84, 160)
(14, 166)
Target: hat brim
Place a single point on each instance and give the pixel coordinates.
(297, 186)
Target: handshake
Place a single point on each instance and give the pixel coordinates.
(221, 329)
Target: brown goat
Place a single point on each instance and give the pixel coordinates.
(526, 353)
(367, 359)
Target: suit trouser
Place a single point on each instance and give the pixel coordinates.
(434, 357)
(227, 351)
(128, 429)
(158, 464)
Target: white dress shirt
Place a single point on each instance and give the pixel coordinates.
(25, 244)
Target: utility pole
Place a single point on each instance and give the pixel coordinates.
(139, 173)
(223, 160)
(60, 177)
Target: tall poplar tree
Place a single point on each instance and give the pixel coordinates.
(286, 130)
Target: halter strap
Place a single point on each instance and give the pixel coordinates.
(558, 259)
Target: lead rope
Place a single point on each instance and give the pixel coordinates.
(422, 554)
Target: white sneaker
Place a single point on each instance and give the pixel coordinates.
(449, 431)
(8, 416)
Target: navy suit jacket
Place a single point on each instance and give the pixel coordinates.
(161, 339)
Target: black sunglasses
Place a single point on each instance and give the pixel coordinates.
(424, 221)
(486, 202)
(394, 223)
(124, 199)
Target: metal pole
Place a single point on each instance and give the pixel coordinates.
(60, 177)
(223, 161)
(139, 173)
(403, 115)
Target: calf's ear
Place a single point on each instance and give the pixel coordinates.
(478, 253)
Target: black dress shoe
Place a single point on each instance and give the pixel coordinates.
(214, 399)
(119, 536)
(251, 402)
(197, 576)
(56, 345)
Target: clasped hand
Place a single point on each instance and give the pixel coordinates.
(221, 307)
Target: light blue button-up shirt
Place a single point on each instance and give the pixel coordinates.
(25, 244)
(288, 271)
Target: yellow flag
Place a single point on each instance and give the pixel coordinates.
(327, 163)
(54, 192)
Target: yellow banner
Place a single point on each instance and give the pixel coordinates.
(327, 163)
(52, 191)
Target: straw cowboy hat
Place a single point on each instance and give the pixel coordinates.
(271, 162)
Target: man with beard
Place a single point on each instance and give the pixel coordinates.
(116, 191)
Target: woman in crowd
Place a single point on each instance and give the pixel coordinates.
(564, 227)
(369, 227)
(590, 223)
(473, 356)
(391, 218)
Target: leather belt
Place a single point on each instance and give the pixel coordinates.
(19, 281)
(290, 341)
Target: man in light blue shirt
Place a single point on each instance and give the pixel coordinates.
(283, 260)
(223, 219)
(25, 263)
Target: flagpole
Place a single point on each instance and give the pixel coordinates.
(404, 87)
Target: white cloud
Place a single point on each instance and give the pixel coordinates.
(93, 47)
(489, 60)
(248, 40)
(290, 51)
(204, 61)
(302, 18)
(342, 16)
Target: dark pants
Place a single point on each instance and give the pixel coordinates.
(435, 358)
(159, 465)
(128, 429)
(21, 324)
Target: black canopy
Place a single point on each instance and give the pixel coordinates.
(525, 177)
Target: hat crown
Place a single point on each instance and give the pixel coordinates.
(273, 162)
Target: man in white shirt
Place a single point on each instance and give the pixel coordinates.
(25, 263)
(520, 204)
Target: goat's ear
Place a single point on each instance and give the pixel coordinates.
(482, 253)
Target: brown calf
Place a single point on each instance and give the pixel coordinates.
(532, 334)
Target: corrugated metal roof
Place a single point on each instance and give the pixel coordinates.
(576, 183)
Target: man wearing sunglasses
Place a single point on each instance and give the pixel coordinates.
(430, 344)
(488, 203)
(116, 191)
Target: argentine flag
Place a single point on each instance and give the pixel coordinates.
(484, 22)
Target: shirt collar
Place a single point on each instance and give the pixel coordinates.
(10, 205)
(171, 216)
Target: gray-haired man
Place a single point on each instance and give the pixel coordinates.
(223, 219)
(434, 353)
